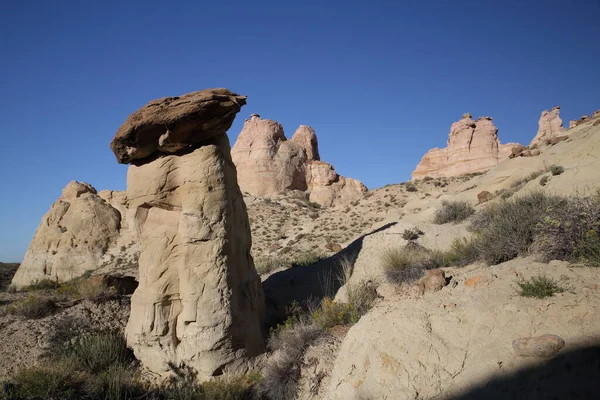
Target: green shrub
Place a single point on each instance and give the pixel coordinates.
(43, 284)
(410, 187)
(463, 252)
(539, 287)
(331, 314)
(569, 229)
(556, 169)
(46, 381)
(32, 307)
(506, 230)
(453, 211)
(408, 263)
(427, 179)
(96, 352)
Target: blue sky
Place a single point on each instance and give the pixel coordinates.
(380, 81)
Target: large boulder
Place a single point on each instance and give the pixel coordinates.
(473, 146)
(269, 164)
(174, 124)
(199, 301)
(72, 238)
(550, 126)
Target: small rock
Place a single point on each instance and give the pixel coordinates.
(434, 281)
(539, 346)
(484, 196)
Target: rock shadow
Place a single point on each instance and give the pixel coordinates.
(303, 284)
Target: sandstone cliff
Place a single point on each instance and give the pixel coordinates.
(269, 164)
(473, 146)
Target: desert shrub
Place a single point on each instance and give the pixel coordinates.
(96, 352)
(282, 371)
(42, 284)
(463, 252)
(93, 289)
(332, 313)
(267, 264)
(539, 286)
(427, 179)
(408, 263)
(505, 230)
(556, 169)
(410, 187)
(47, 381)
(305, 259)
(544, 180)
(412, 233)
(361, 297)
(453, 211)
(32, 307)
(522, 182)
(569, 231)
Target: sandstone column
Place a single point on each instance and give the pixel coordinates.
(200, 300)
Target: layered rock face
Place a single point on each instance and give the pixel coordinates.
(72, 238)
(473, 146)
(550, 126)
(199, 300)
(269, 164)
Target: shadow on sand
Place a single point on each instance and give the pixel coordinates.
(314, 282)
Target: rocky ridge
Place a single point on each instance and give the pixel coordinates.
(473, 146)
(269, 164)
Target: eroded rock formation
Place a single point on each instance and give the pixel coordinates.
(550, 126)
(269, 164)
(199, 300)
(473, 146)
(72, 238)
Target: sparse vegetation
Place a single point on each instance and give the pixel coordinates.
(282, 371)
(412, 233)
(569, 231)
(556, 169)
(410, 187)
(93, 289)
(42, 284)
(32, 307)
(544, 180)
(539, 287)
(408, 263)
(463, 252)
(516, 186)
(453, 211)
(505, 230)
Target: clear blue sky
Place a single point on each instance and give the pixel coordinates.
(380, 81)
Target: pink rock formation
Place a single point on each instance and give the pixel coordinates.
(269, 164)
(473, 146)
(550, 126)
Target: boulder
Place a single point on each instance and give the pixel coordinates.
(543, 346)
(473, 146)
(174, 124)
(268, 164)
(199, 301)
(550, 126)
(72, 237)
(484, 196)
